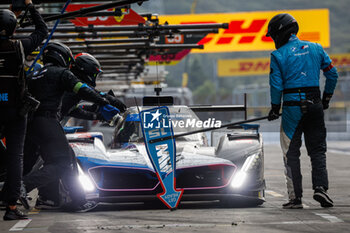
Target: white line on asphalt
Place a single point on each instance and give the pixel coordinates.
(338, 151)
(298, 222)
(331, 218)
(288, 222)
(194, 225)
(20, 225)
(273, 193)
(197, 225)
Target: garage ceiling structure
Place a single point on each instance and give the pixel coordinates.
(123, 50)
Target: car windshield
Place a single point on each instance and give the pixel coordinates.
(183, 119)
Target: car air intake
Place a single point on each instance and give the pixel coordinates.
(212, 176)
(139, 179)
(119, 178)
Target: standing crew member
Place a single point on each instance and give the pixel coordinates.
(44, 130)
(14, 100)
(295, 73)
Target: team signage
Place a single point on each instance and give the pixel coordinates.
(247, 30)
(128, 17)
(156, 124)
(174, 56)
(261, 66)
(170, 58)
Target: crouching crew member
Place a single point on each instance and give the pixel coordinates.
(14, 100)
(44, 130)
(295, 74)
(87, 69)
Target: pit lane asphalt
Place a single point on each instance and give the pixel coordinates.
(209, 217)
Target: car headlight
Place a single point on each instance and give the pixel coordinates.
(241, 175)
(86, 182)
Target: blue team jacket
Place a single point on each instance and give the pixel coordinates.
(298, 64)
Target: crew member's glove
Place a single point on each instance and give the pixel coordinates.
(274, 113)
(116, 103)
(108, 112)
(113, 100)
(103, 102)
(98, 116)
(325, 100)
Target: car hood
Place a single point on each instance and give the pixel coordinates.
(187, 155)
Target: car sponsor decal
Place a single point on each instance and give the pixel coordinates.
(155, 124)
(247, 30)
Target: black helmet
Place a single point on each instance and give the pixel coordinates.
(8, 22)
(58, 54)
(86, 68)
(281, 27)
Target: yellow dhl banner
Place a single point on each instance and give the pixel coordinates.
(261, 66)
(247, 30)
(243, 67)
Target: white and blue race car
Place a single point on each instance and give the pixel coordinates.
(231, 172)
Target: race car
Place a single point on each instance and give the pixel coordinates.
(231, 172)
